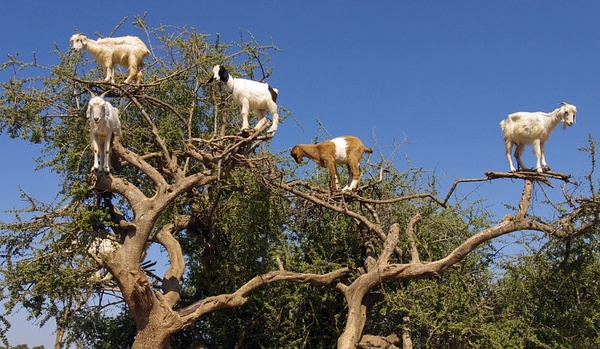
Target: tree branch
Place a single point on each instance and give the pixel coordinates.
(174, 274)
(410, 232)
(191, 313)
(137, 161)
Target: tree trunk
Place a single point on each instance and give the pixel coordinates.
(155, 321)
(153, 335)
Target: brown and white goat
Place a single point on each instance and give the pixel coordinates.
(341, 150)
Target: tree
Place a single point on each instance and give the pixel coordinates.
(268, 255)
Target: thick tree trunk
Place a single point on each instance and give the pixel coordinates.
(154, 319)
(153, 334)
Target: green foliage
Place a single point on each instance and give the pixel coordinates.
(94, 328)
(552, 295)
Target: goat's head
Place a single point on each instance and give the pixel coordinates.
(568, 113)
(219, 73)
(78, 41)
(297, 154)
(97, 109)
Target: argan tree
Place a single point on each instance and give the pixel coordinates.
(242, 236)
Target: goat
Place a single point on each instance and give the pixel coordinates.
(524, 128)
(104, 121)
(249, 94)
(101, 247)
(127, 51)
(98, 249)
(341, 150)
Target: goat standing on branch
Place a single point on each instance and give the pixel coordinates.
(104, 121)
(525, 128)
(342, 150)
(249, 94)
(127, 51)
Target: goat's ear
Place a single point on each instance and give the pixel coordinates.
(223, 74)
(87, 113)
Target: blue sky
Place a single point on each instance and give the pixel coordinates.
(438, 74)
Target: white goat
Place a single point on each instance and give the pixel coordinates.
(525, 128)
(104, 121)
(127, 51)
(101, 247)
(249, 94)
(342, 150)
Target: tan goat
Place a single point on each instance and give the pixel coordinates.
(341, 150)
(127, 51)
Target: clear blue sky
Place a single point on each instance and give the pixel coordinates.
(440, 74)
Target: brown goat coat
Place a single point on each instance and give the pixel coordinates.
(327, 154)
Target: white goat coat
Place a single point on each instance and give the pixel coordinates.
(341, 155)
(104, 122)
(250, 95)
(101, 247)
(127, 51)
(534, 128)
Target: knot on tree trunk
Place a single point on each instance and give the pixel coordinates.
(142, 291)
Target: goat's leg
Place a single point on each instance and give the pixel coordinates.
(245, 110)
(110, 73)
(275, 117)
(334, 186)
(354, 177)
(538, 155)
(263, 119)
(96, 165)
(545, 166)
(106, 152)
(518, 153)
(509, 144)
(132, 73)
(350, 179)
(139, 77)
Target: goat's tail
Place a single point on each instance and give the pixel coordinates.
(274, 93)
(368, 150)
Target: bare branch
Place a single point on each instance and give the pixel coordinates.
(191, 313)
(410, 232)
(174, 273)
